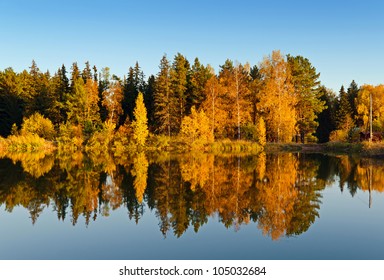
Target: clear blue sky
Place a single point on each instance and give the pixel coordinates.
(344, 40)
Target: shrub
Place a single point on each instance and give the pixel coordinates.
(100, 141)
(27, 143)
(196, 127)
(261, 132)
(36, 124)
(354, 135)
(249, 132)
(158, 142)
(338, 136)
(122, 139)
(70, 137)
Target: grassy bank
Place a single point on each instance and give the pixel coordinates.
(365, 149)
(26, 144)
(181, 145)
(31, 143)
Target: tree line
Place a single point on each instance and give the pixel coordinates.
(279, 100)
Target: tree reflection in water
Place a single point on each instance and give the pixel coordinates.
(281, 193)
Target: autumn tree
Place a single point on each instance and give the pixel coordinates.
(363, 104)
(234, 80)
(242, 79)
(254, 92)
(196, 126)
(112, 98)
(36, 124)
(82, 104)
(261, 135)
(277, 100)
(140, 122)
(213, 104)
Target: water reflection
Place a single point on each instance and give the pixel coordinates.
(280, 193)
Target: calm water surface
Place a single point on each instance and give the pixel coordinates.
(285, 206)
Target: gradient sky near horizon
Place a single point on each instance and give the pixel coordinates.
(344, 40)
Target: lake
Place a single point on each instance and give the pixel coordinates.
(191, 206)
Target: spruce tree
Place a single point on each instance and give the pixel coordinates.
(344, 119)
(133, 85)
(352, 93)
(60, 86)
(87, 72)
(75, 74)
(197, 79)
(162, 96)
(327, 117)
(178, 91)
(149, 101)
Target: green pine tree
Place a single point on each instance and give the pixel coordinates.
(309, 104)
(344, 119)
(150, 101)
(327, 117)
(198, 77)
(178, 89)
(352, 93)
(162, 97)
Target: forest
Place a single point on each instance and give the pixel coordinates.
(280, 100)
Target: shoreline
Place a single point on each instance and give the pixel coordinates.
(363, 149)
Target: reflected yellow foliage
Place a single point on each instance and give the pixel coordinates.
(370, 176)
(278, 195)
(140, 172)
(37, 164)
(196, 169)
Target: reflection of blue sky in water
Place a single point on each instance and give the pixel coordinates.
(346, 229)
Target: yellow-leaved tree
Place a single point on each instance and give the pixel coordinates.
(140, 124)
(277, 98)
(38, 125)
(112, 100)
(197, 126)
(140, 172)
(362, 104)
(261, 131)
(213, 104)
